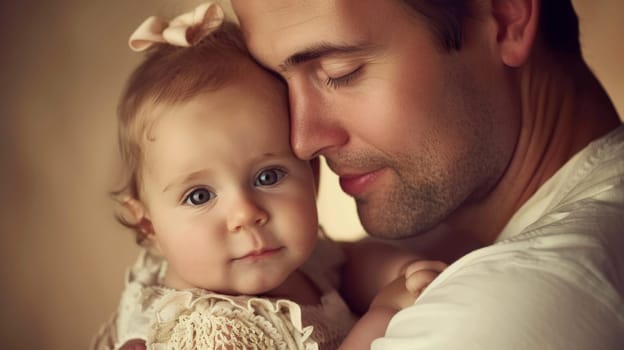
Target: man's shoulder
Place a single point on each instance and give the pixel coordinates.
(588, 184)
(522, 294)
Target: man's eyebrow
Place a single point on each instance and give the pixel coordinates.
(320, 50)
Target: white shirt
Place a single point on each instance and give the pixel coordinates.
(553, 280)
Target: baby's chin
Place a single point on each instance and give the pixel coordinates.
(274, 286)
(270, 290)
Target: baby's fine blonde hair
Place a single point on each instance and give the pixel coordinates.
(169, 75)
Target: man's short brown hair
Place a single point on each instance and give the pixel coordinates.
(558, 23)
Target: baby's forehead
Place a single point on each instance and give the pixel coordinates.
(147, 117)
(244, 104)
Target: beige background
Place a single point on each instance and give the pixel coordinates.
(63, 65)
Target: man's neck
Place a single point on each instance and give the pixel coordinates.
(564, 108)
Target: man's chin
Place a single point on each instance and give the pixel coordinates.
(380, 227)
(387, 224)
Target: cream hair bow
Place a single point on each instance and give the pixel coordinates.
(185, 30)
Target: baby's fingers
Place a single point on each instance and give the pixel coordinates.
(431, 265)
(418, 275)
(419, 280)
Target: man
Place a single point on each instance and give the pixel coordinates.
(479, 117)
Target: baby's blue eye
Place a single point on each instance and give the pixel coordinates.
(198, 196)
(269, 177)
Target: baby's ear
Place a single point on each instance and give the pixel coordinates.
(138, 216)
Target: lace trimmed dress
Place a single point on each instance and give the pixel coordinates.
(198, 319)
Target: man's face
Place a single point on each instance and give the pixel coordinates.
(413, 132)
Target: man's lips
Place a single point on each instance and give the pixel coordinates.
(354, 185)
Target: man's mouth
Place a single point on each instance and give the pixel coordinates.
(356, 184)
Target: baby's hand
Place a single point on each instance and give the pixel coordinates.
(420, 273)
(403, 291)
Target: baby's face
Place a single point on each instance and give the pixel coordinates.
(233, 210)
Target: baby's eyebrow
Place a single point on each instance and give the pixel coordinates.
(321, 50)
(190, 177)
(276, 154)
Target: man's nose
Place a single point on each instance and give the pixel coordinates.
(314, 126)
(246, 212)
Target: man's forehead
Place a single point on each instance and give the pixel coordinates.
(279, 15)
(279, 6)
(276, 29)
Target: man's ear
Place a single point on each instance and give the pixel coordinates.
(139, 216)
(517, 23)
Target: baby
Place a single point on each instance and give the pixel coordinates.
(233, 258)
